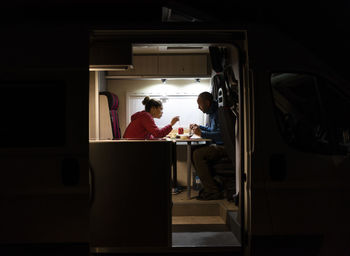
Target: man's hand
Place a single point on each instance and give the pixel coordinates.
(193, 126)
(197, 131)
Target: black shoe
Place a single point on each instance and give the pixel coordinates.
(176, 191)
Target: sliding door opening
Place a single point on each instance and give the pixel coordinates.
(175, 75)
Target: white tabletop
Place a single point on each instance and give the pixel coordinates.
(197, 139)
(127, 140)
(192, 139)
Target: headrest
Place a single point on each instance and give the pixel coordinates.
(218, 57)
(221, 98)
(231, 84)
(113, 101)
(217, 81)
(230, 77)
(226, 96)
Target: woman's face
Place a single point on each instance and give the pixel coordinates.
(157, 112)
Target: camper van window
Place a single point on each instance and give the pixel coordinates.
(299, 114)
(337, 105)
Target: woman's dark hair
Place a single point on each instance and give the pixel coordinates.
(149, 103)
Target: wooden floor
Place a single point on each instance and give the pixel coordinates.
(182, 198)
(197, 220)
(198, 212)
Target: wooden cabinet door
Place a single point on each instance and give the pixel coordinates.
(145, 65)
(183, 65)
(166, 65)
(119, 192)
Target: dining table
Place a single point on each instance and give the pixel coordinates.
(188, 140)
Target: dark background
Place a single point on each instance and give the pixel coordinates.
(322, 27)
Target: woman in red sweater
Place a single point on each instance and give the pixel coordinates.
(142, 125)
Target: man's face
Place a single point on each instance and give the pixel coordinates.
(203, 104)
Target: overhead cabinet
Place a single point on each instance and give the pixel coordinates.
(167, 65)
(106, 56)
(182, 65)
(144, 65)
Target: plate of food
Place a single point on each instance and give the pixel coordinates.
(184, 136)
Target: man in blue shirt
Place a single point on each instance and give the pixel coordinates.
(203, 156)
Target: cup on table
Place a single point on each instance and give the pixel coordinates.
(180, 130)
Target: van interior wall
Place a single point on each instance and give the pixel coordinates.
(234, 59)
(122, 87)
(92, 106)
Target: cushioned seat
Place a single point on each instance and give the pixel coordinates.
(113, 103)
(225, 90)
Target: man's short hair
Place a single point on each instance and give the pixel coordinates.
(206, 96)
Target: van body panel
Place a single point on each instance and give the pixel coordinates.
(310, 196)
(45, 184)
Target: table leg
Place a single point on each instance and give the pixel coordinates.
(174, 166)
(188, 170)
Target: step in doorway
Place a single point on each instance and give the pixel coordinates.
(203, 223)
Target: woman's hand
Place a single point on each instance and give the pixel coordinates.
(174, 120)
